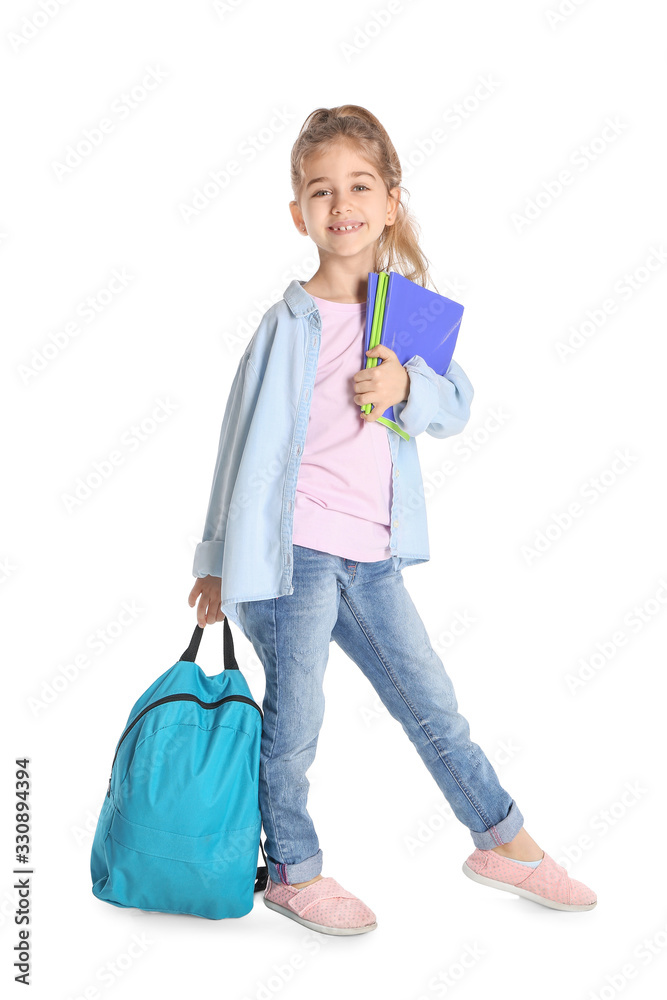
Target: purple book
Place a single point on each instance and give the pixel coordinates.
(409, 319)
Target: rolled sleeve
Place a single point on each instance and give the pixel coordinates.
(208, 559)
(437, 404)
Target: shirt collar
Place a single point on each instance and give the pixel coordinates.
(298, 299)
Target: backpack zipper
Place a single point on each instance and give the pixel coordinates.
(178, 697)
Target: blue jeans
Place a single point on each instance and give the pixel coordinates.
(365, 608)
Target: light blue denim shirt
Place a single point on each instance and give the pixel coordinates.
(247, 538)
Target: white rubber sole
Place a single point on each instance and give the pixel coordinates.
(518, 891)
(338, 931)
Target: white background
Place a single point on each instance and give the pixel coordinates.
(584, 764)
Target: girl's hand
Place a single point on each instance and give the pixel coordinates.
(208, 609)
(383, 385)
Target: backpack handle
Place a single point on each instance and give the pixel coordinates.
(229, 656)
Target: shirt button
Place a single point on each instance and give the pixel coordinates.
(396, 524)
(298, 449)
(398, 472)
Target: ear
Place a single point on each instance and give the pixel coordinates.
(394, 197)
(297, 217)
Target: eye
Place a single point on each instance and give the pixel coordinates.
(326, 190)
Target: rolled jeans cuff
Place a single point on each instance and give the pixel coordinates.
(500, 833)
(302, 871)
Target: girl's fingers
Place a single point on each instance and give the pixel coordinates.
(205, 611)
(208, 609)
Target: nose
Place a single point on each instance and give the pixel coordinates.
(341, 203)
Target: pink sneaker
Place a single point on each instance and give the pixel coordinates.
(323, 906)
(548, 884)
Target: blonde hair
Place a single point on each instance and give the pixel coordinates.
(397, 247)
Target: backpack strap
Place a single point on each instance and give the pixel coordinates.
(262, 872)
(190, 653)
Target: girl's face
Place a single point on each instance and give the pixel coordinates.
(341, 189)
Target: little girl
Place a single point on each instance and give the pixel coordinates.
(314, 511)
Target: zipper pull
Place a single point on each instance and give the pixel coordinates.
(109, 788)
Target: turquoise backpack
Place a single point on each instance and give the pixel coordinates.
(180, 825)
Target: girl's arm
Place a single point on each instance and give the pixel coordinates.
(437, 404)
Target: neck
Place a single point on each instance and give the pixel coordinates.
(340, 280)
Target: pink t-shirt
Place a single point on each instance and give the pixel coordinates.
(343, 493)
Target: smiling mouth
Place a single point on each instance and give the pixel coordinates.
(345, 229)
